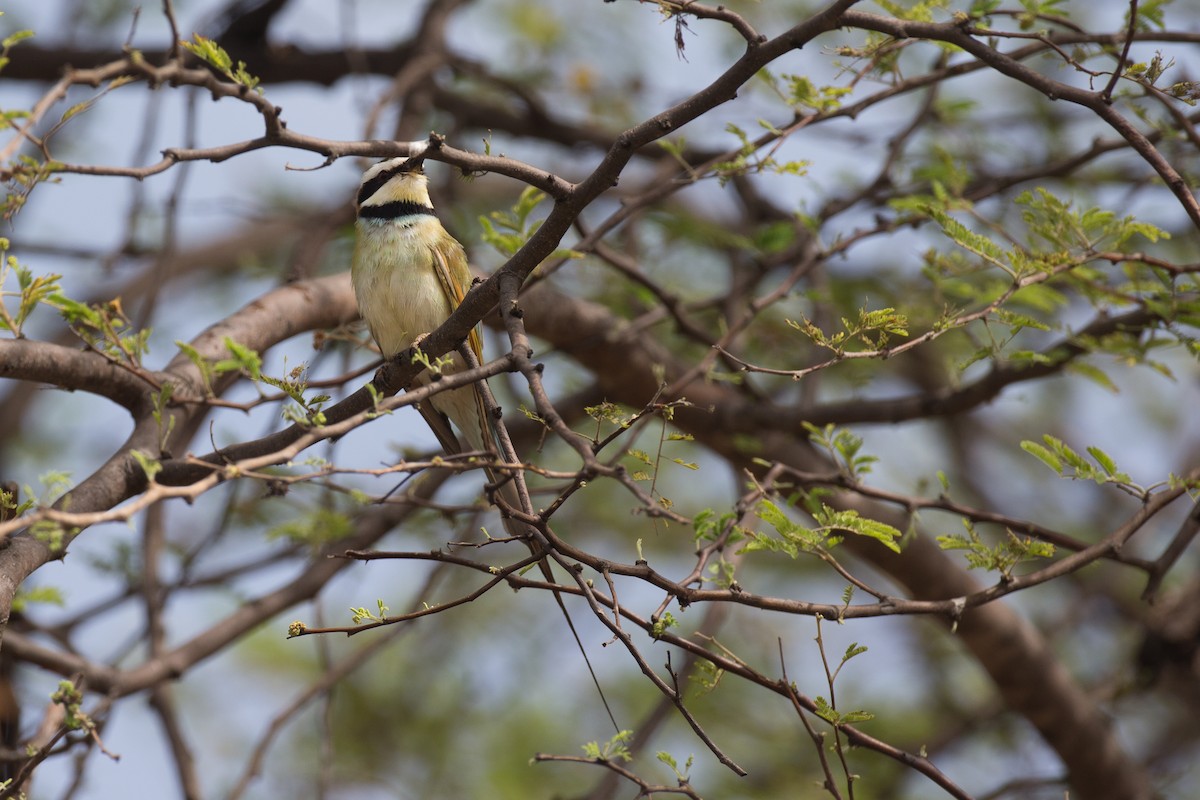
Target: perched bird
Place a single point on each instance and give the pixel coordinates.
(409, 274)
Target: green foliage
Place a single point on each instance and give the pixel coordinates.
(22, 172)
(843, 446)
(709, 525)
(1148, 72)
(215, 56)
(55, 485)
(1015, 278)
(799, 92)
(982, 9)
(870, 329)
(307, 410)
(8, 42)
(663, 624)
(315, 528)
(149, 465)
(681, 775)
(361, 615)
(435, 366)
(653, 463)
(508, 231)
(105, 328)
(376, 397)
(537, 25)
(52, 534)
(676, 148)
(1001, 557)
(706, 676)
(9, 118)
(71, 699)
(200, 363)
(834, 717)
(609, 414)
(10, 508)
(1006, 282)
(721, 572)
(1028, 18)
(1068, 463)
(748, 160)
(641, 457)
(774, 237)
(1058, 223)
(1070, 237)
(826, 709)
(831, 525)
(922, 11)
(1150, 14)
(38, 594)
(241, 358)
(615, 749)
(161, 401)
(32, 290)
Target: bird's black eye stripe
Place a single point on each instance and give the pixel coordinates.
(375, 184)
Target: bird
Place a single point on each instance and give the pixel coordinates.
(409, 274)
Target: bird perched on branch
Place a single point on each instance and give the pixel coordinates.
(409, 275)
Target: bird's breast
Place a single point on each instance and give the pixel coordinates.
(398, 291)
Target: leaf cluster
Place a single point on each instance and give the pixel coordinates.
(216, 57)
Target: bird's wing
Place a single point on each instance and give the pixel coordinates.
(450, 264)
(455, 277)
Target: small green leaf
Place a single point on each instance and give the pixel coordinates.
(1104, 460)
(1043, 455)
(150, 465)
(1094, 374)
(38, 594)
(244, 358)
(853, 650)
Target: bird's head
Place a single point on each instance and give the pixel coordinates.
(397, 182)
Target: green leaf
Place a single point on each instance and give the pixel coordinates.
(615, 749)
(1103, 459)
(854, 649)
(244, 358)
(1043, 455)
(37, 594)
(14, 37)
(318, 527)
(209, 51)
(150, 465)
(1094, 374)
(215, 56)
(78, 108)
(1002, 557)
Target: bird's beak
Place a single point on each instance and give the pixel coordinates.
(414, 164)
